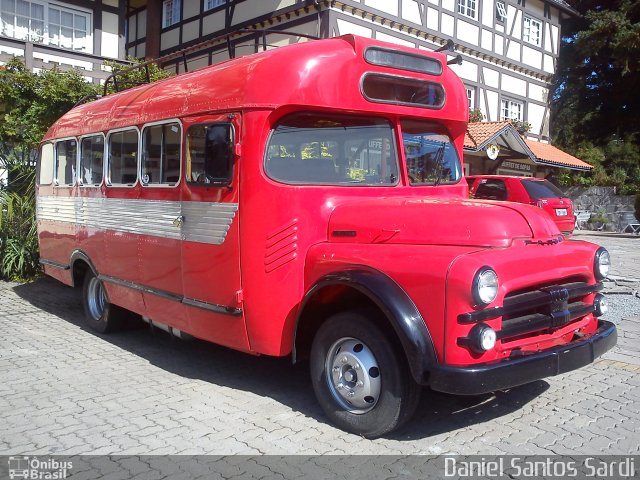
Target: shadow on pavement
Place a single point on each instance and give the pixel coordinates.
(271, 377)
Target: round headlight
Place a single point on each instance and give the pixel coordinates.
(600, 305)
(483, 338)
(601, 263)
(485, 286)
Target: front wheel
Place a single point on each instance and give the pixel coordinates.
(361, 380)
(100, 315)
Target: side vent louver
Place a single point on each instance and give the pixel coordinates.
(281, 246)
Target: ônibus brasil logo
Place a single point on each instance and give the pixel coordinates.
(38, 469)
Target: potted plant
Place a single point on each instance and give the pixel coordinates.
(598, 220)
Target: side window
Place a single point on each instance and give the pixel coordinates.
(210, 154)
(123, 157)
(46, 164)
(491, 190)
(161, 154)
(91, 159)
(66, 154)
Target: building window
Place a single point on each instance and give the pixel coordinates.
(467, 8)
(40, 22)
(532, 31)
(170, 12)
(24, 21)
(471, 96)
(501, 11)
(512, 110)
(67, 29)
(211, 4)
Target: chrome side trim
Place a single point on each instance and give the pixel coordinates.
(141, 288)
(207, 222)
(212, 307)
(204, 222)
(51, 263)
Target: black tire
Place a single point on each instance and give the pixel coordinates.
(383, 398)
(99, 314)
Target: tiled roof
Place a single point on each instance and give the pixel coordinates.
(479, 132)
(547, 153)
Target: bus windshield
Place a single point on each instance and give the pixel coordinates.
(314, 148)
(431, 157)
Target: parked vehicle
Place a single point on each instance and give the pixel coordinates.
(533, 191)
(323, 218)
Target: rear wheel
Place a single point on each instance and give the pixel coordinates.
(361, 380)
(100, 315)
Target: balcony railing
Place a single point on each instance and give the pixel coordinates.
(39, 56)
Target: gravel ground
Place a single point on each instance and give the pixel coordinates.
(623, 306)
(623, 286)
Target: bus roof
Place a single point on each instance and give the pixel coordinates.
(317, 74)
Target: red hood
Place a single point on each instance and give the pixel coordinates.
(438, 222)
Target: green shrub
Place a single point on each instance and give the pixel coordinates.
(475, 115)
(600, 217)
(18, 231)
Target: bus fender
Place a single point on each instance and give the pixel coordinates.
(395, 304)
(79, 255)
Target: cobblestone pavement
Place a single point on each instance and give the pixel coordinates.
(66, 390)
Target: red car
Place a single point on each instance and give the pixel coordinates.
(534, 191)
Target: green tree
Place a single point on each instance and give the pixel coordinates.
(594, 104)
(29, 104)
(476, 115)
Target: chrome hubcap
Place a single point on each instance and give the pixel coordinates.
(353, 375)
(96, 298)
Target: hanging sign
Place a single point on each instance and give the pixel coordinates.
(492, 151)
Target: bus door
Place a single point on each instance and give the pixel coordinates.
(159, 205)
(210, 244)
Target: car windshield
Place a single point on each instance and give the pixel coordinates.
(538, 189)
(431, 157)
(321, 149)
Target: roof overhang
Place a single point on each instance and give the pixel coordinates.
(547, 154)
(564, 7)
(512, 146)
(507, 138)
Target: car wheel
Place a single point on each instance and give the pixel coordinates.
(361, 380)
(100, 315)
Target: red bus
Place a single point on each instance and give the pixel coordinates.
(309, 201)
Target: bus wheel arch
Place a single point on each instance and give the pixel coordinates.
(80, 265)
(388, 306)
